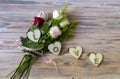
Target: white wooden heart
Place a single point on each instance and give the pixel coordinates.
(34, 35)
(96, 59)
(55, 48)
(76, 51)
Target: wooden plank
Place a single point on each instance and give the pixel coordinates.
(98, 31)
(68, 66)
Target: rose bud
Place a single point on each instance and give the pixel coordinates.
(57, 14)
(42, 16)
(64, 23)
(55, 32)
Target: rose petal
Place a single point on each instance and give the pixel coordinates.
(64, 23)
(38, 20)
(43, 15)
(55, 32)
(56, 14)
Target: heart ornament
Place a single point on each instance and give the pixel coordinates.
(55, 48)
(34, 35)
(96, 58)
(76, 51)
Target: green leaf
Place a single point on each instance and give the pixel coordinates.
(28, 43)
(45, 28)
(66, 35)
(55, 22)
(64, 29)
(73, 24)
(33, 27)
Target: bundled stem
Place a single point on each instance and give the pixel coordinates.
(23, 69)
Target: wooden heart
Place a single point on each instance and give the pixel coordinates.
(76, 51)
(34, 35)
(96, 59)
(55, 48)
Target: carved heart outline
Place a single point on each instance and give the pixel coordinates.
(96, 58)
(34, 35)
(76, 51)
(55, 47)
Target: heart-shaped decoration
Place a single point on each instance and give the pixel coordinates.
(34, 35)
(96, 59)
(76, 51)
(55, 48)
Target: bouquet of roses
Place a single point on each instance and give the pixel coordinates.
(45, 35)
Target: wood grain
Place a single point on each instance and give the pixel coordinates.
(98, 31)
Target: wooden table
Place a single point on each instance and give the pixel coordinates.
(98, 31)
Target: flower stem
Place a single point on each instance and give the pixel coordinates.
(23, 69)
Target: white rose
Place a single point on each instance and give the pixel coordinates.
(64, 23)
(55, 32)
(57, 14)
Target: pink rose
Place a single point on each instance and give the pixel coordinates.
(55, 32)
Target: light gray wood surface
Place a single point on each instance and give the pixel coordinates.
(98, 31)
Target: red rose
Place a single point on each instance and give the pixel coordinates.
(42, 16)
(38, 20)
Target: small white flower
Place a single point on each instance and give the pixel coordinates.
(64, 23)
(55, 32)
(43, 41)
(43, 15)
(56, 14)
